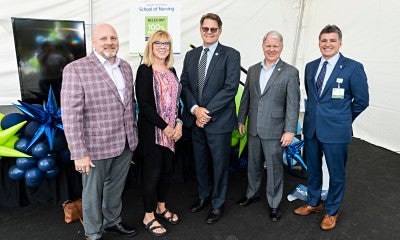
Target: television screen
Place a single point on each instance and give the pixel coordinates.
(43, 48)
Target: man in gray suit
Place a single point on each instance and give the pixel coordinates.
(271, 101)
(98, 114)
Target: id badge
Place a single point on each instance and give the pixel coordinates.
(338, 93)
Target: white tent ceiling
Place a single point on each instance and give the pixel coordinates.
(370, 35)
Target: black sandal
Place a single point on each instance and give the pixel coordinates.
(151, 229)
(169, 219)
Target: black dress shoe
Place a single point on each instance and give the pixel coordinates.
(199, 205)
(275, 214)
(214, 216)
(122, 229)
(244, 202)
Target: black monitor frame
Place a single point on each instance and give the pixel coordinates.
(36, 71)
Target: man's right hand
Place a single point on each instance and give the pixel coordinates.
(83, 165)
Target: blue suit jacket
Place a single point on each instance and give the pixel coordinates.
(222, 81)
(331, 119)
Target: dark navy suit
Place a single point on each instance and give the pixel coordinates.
(328, 127)
(212, 143)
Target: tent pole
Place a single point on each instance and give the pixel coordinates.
(91, 15)
(298, 32)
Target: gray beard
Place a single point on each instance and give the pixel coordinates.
(109, 55)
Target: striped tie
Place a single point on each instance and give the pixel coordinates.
(202, 73)
(320, 78)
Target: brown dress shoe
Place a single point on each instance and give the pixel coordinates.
(329, 222)
(307, 209)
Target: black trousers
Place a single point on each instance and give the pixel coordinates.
(157, 165)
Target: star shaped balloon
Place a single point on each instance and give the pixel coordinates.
(49, 117)
(7, 140)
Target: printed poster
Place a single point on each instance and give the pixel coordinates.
(146, 18)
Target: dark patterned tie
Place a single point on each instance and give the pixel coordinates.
(320, 78)
(202, 73)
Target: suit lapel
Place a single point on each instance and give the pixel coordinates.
(127, 84)
(311, 80)
(274, 75)
(214, 59)
(257, 74)
(99, 68)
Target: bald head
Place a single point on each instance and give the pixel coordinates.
(101, 28)
(105, 41)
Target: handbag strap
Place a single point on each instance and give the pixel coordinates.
(65, 203)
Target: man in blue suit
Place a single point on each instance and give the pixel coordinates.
(210, 79)
(337, 93)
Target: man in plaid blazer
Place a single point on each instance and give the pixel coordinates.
(98, 114)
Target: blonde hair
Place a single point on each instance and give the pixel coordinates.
(148, 52)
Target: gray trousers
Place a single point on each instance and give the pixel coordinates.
(266, 153)
(102, 191)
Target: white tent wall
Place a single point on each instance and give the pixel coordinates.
(369, 36)
(43, 9)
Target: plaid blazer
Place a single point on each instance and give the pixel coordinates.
(96, 121)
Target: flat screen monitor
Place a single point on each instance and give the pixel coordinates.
(44, 47)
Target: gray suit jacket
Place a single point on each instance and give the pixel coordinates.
(276, 109)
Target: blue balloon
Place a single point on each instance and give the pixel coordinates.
(25, 163)
(34, 174)
(52, 173)
(12, 119)
(46, 163)
(22, 145)
(31, 128)
(32, 183)
(40, 149)
(15, 173)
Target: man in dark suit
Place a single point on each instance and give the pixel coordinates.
(337, 91)
(209, 86)
(98, 114)
(271, 101)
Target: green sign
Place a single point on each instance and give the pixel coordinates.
(154, 23)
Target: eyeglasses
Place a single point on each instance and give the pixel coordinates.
(163, 44)
(206, 29)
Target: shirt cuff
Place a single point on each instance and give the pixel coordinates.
(193, 108)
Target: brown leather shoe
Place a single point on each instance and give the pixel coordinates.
(329, 222)
(307, 209)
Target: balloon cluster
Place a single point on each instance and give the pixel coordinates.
(42, 140)
(39, 161)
